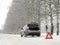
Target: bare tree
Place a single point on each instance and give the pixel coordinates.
(57, 17)
(38, 13)
(33, 3)
(46, 25)
(46, 18)
(50, 14)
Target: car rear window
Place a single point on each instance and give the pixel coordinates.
(33, 26)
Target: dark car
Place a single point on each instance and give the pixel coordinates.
(31, 29)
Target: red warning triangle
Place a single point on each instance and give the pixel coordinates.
(49, 36)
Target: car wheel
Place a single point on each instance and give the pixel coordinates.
(38, 35)
(25, 35)
(21, 35)
(32, 35)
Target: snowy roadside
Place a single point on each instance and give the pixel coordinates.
(8, 39)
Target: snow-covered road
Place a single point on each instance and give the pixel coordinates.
(9, 39)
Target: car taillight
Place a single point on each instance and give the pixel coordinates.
(27, 28)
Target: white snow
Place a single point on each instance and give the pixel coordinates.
(4, 8)
(9, 39)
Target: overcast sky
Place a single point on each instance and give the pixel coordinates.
(4, 8)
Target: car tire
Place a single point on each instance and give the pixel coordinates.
(21, 35)
(38, 35)
(25, 35)
(32, 35)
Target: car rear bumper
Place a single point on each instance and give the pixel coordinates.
(33, 32)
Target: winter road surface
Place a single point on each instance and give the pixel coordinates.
(9, 39)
